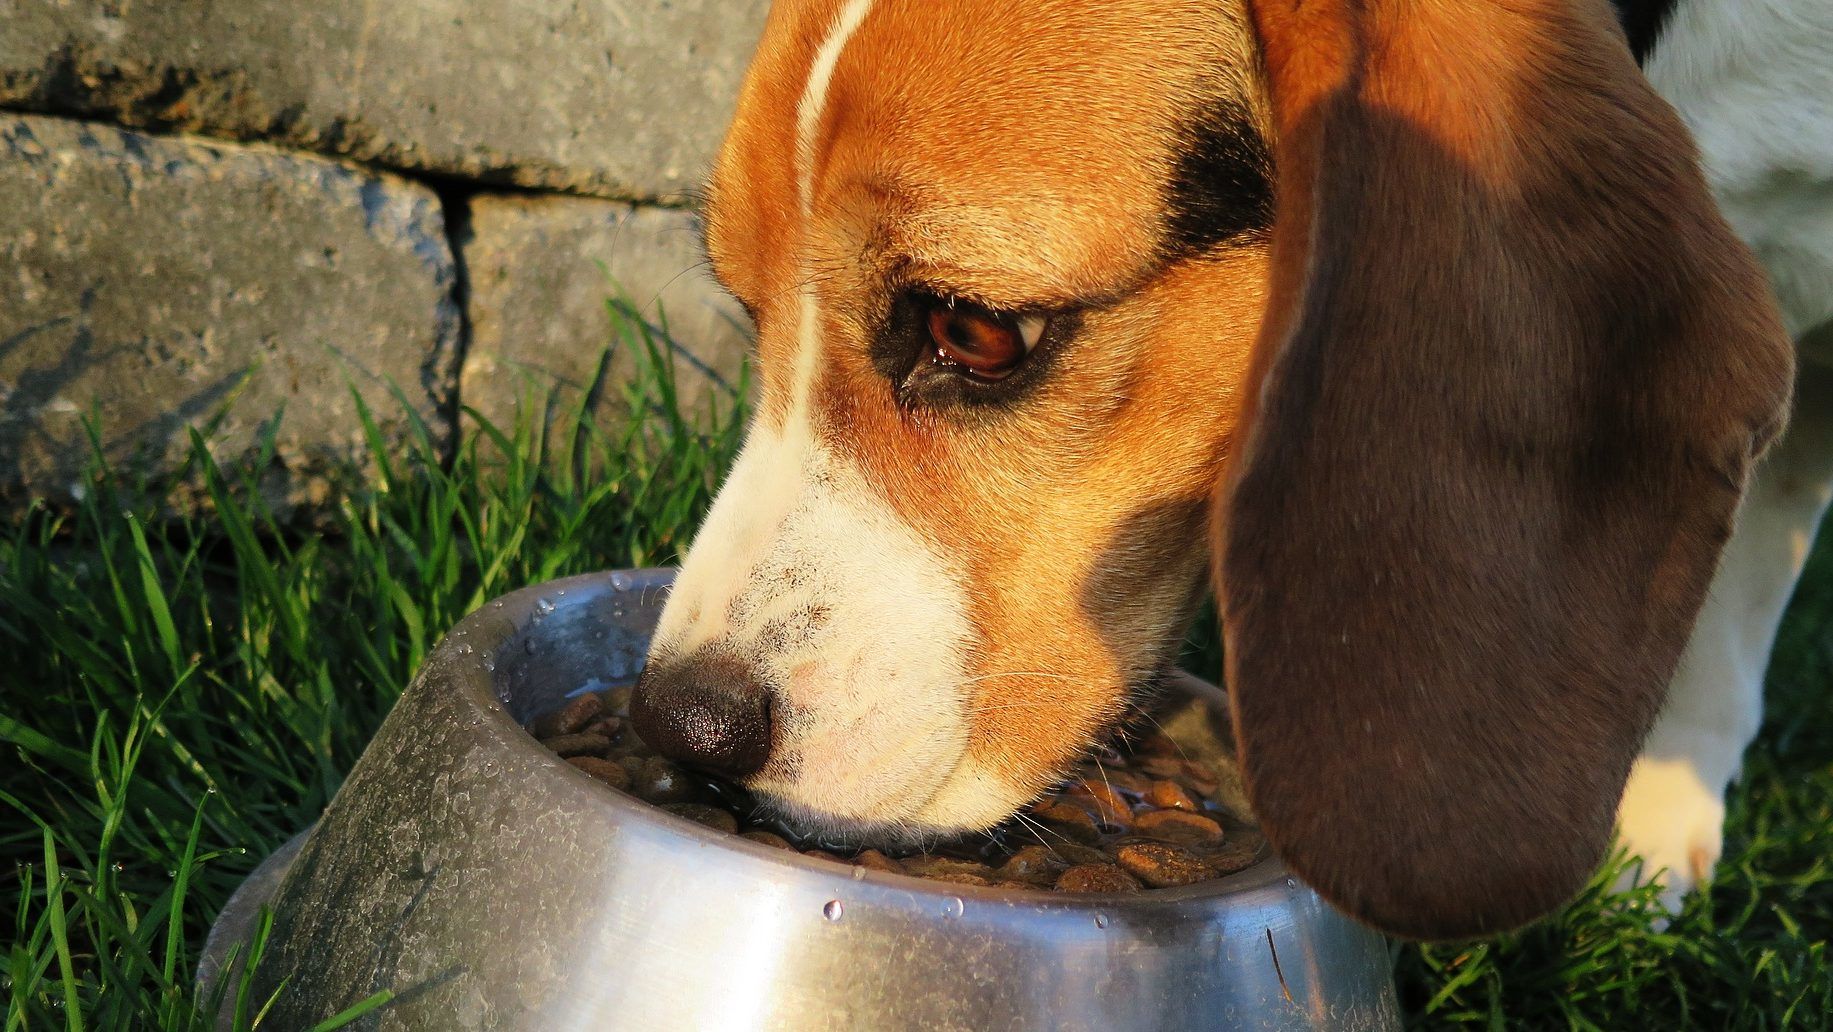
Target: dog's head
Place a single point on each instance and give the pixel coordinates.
(1422, 326)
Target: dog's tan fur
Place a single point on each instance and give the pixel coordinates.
(941, 173)
(1455, 204)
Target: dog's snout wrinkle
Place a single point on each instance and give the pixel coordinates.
(708, 711)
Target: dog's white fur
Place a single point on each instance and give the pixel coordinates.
(870, 697)
(1754, 81)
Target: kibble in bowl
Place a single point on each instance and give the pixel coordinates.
(1144, 815)
(490, 884)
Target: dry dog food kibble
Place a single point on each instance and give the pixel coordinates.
(1144, 819)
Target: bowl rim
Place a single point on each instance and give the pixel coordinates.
(518, 608)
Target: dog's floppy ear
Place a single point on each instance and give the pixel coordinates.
(1512, 376)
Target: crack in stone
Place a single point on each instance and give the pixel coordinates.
(444, 380)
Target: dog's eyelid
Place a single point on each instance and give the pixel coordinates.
(946, 291)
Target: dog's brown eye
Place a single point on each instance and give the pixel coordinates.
(982, 342)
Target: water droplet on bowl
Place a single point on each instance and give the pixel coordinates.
(953, 907)
(833, 910)
(1100, 920)
(1291, 883)
(529, 646)
(543, 606)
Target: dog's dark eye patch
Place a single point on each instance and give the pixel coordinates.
(1221, 186)
(900, 340)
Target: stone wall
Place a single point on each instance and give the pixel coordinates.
(249, 207)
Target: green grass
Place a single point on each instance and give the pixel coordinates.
(177, 697)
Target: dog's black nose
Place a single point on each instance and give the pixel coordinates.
(709, 711)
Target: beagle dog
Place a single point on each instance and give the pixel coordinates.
(1414, 328)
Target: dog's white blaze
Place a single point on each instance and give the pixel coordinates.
(858, 623)
(760, 489)
(814, 92)
(755, 499)
(808, 131)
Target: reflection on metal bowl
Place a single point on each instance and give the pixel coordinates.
(489, 885)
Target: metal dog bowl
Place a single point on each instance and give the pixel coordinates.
(492, 886)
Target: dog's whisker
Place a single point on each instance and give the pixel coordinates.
(1037, 831)
(1102, 770)
(1027, 703)
(1014, 673)
(655, 299)
(804, 284)
(1166, 734)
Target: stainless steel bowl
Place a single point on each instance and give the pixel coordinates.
(492, 886)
